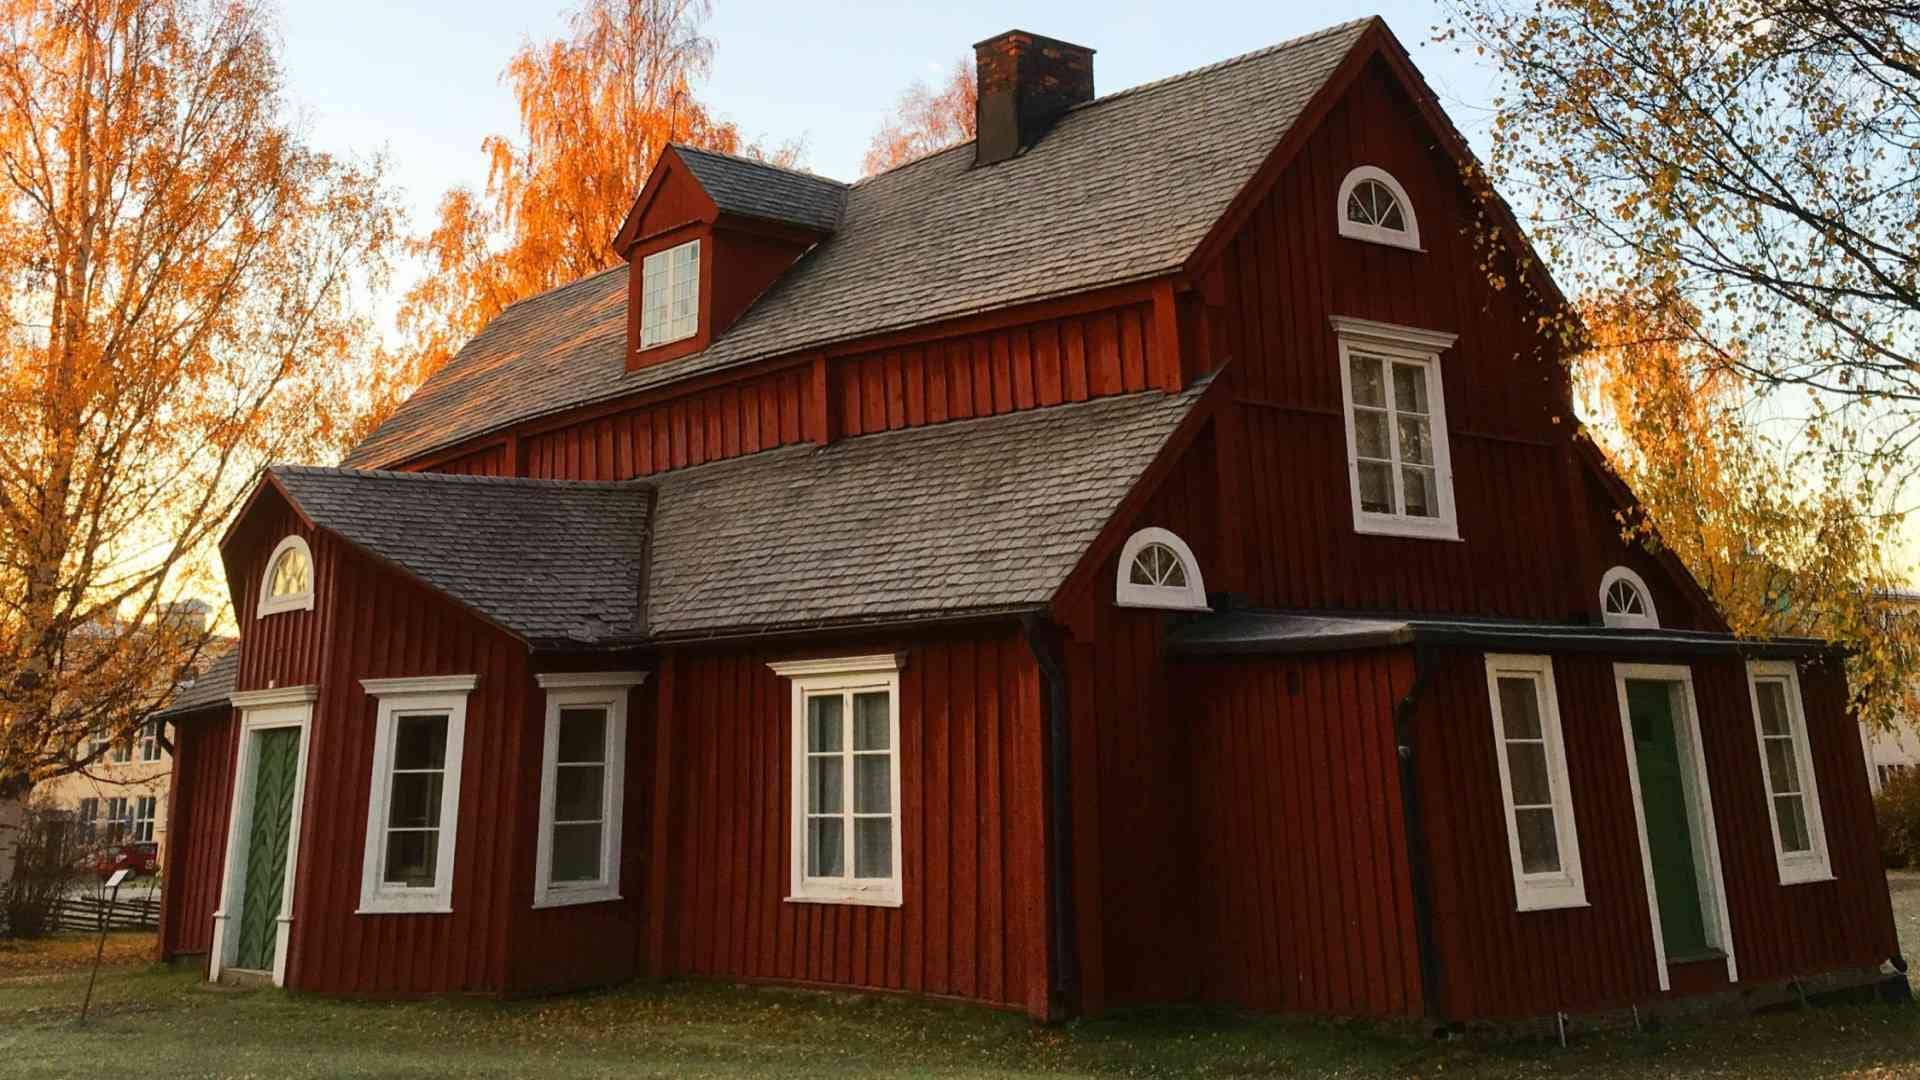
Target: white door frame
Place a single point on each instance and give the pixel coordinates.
(1699, 798)
(260, 710)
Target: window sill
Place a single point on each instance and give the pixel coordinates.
(401, 907)
(1407, 530)
(856, 899)
(561, 900)
(1818, 878)
(1570, 904)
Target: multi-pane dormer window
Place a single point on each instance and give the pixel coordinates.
(1626, 602)
(670, 297)
(289, 579)
(1374, 207)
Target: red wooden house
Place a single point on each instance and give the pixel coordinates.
(1133, 557)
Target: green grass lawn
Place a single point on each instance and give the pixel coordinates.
(159, 1022)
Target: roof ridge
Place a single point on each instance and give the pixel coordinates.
(1155, 84)
(636, 484)
(1208, 69)
(804, 174)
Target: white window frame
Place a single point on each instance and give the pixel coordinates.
(150, 741)
(1800, 867)
(301, 601)
(1622, 621)
(146, 808)
(842, 674)
(1565, 887)
(1707, 869)
(87, 818)
(410, 696)
(1416, 346)
(1375, 234)
(608, 691)
(663, 262)
(119, 819)
(1189, 597)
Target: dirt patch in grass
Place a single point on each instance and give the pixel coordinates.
(65, 954)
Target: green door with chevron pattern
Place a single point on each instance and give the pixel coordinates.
(277, 754)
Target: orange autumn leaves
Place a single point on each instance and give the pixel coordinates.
(596, 108)
(178, 289)
(925, 120)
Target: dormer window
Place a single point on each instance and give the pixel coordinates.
(1625, 601)
(1399, 467)
(1158, 570)
(1374, 207)
(670, 298)
(288, 585)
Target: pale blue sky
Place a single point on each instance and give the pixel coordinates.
(421, 77)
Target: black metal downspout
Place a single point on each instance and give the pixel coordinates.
(1043, 638)
(1417, 859)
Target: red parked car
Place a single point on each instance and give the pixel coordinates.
(139, 858)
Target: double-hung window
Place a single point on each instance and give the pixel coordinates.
(150, 741)
(1793, 796)
(1542, 840)
(119, 819)
(413, 801)
(582, 787)
(1398, 464)
(89, 821)
(846, 779)
(143, 815)
(670, 295)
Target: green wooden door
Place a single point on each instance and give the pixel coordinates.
(1670, 841)
(277, 752)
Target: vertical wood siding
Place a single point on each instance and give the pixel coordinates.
(1299, 844)
(384, 625)
(1282, 276)
(973, 920)
(283, 649)
(707, 425)
(199, 798)
(1050, 362)
(1499, 962)
(1130, 725)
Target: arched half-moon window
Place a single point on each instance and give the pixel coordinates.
(1158, 570)
(288, 585)
(1626, 602)
(1374, 207)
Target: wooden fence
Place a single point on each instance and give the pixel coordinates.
(84, 913)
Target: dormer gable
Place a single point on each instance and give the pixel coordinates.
(708, 234)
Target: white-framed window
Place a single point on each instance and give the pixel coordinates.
(144, 809)
(288, 584)
(846, 779)
(582, 787)
(1158, 570)
(1374, 207)
(96, 744)
(1399, 467)
(670, 294)
(1542, 839)
(413, 803)
(1793, 793)
(1626, 602)
(119, 819)
(121, 753)
(88, 819)
(150, 741)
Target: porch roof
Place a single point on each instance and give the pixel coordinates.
(1249, 631)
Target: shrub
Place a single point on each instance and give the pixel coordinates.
(1896, 810)
(46, 865)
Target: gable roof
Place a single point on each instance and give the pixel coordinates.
(1122, 189)
(962, 518)
(970, 516)
(756, 189)
(551, 562)
(211, 688)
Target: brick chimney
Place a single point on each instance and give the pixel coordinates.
(1026, 83)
